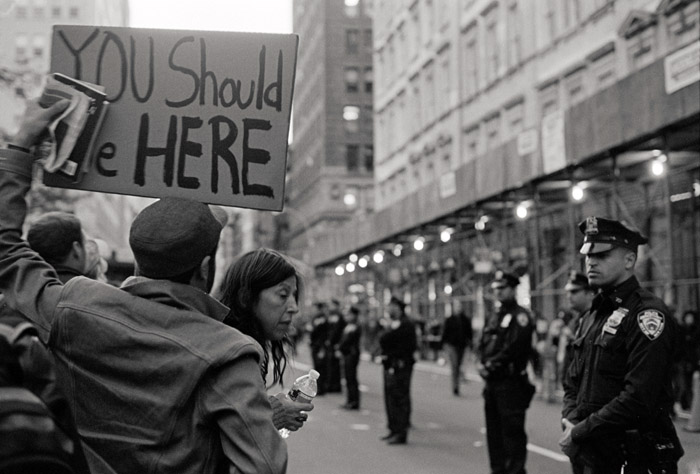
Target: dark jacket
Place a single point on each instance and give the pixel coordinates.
(620, 375)
(506, 343)
(457, 331)
(157, 383)
(398, 343)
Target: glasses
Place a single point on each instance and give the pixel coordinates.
(500, 287)
(573, 291)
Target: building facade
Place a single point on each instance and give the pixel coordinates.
(329, 179)
(500, 124)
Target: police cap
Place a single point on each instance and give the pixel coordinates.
(601, 235)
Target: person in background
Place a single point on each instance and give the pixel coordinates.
(552, 367)
(349, 351)
(318, 334)
(158, 382)
(618, 396)
(262, 288)
(579, 294)
(336, 325)
(505, 348)
(398, 343)
(689, 357)
(456, 337)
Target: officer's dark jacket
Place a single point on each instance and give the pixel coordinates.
(399, 343)
(506, 342)
(620, 378)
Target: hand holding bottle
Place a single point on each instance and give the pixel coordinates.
(303, 390)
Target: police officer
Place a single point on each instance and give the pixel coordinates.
(398, 344)
(505, 348)
(618, 396)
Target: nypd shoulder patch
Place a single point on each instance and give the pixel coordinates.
(652, 323)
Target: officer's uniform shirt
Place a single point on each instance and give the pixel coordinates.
(507, 341)
(620, 378)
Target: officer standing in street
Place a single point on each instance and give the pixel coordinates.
(505, 349)
(618, 395)
(398, 344)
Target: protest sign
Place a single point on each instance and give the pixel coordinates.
(196, 114)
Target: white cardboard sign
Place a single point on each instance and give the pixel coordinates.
(196, 114)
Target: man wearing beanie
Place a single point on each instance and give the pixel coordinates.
(156, 382)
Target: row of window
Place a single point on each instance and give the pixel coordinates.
(355, 116)
(39, 10)
(27, 48)
(359, 158)
(353, 38)
(354, 83)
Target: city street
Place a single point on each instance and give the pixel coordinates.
(447, 435)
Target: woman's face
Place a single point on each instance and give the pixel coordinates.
(275, 308)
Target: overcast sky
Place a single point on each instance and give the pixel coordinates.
(266, 16)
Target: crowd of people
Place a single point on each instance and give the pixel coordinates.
(165, 375)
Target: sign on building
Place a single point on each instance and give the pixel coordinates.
(682, 68)
(197, 114)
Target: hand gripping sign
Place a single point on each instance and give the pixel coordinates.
(193, 114)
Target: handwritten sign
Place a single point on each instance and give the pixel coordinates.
(194, 114)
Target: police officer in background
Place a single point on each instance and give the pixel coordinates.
(618, 396)
(505, 348)
(398, 344)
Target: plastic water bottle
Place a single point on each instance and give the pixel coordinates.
(304, 389)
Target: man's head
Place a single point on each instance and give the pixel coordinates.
(58, 238)
(610, 248)
(397, 308)
(504, 284)
(176, 239)
(579, 292)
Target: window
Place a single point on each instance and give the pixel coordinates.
(445, 82)
(38, 46)
(514, 117)
(56, 11)
(429, 93)
(640, 47)
(493, 129)
(416, 107)
(414, 33)
(368, 158)
(352, 41)
(491, 44)
(574, 87)
(39, 8)
(549, 99)
(369, 80)
(369, 47)
(471, 63)
(604, 70)
(683, 19)
(351, 118)
(21, 12)
(550, 15)
(21, 46)
(352, 8)
(352, 157)
(352, 79)
(514, 34)
(73, 13)
(471, 140)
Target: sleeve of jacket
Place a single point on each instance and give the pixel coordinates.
(648, 365)
(27, 281)
(570, 394)
(234, 396)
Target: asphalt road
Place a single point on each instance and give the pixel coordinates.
(447, 435)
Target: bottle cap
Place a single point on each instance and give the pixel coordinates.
(313, 374)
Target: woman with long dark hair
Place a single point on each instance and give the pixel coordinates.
(262, 288)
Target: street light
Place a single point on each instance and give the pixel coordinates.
(577, 192)
(378, 256)
(419, 243)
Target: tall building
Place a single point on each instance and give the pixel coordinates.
(499, 124)
(330, 177)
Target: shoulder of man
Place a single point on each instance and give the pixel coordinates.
(650, 315)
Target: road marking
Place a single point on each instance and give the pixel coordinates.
(360, 427)
(547, 453)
